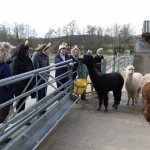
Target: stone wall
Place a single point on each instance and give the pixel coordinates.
(141, 62)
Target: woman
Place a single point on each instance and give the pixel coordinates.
(62, 56)
(98, 59)
(6, 92)
(75, 57)
(21, 63)
(40, 58)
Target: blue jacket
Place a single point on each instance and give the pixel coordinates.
(61, 71)
(6, 92)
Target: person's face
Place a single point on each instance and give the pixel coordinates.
(75, 53)
(100, 54)
(47, 52)
(63, 51)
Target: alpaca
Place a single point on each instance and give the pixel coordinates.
(104, 83)
(145, 79)
(146, 96)
(133, 84)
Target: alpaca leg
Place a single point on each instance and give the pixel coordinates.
(100, 101)
(138, 93)
(117, 98)
(133, 101)
(128, 101)
(106, 101)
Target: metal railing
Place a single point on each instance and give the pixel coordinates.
(117, 63)
(57, 103)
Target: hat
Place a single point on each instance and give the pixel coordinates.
(46, 47)
(63, 45)
(89, 52)
(100, 50)
(23, 47)
(43, 47)
(76, 47)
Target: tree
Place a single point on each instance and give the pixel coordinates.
(23, 31)
(69, 31)
(51, 33)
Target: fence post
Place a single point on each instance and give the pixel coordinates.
(84, 74)
(114, 63)
(103, 66)
(118, 62)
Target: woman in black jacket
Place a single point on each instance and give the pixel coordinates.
(98, 59)
(22, 63)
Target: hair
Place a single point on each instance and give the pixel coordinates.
(5, 51)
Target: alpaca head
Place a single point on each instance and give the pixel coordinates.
(130, 70)
(87, 60)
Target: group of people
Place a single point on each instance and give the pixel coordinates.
(20, 62)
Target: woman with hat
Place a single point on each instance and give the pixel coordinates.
(6, 92)
(40, 58)
(75, 52)
(62, 56)
(98, 59)
(22, 63)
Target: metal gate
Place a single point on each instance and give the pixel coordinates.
(57, 103)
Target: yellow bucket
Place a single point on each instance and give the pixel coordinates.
(80, 86)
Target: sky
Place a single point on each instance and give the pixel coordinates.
(45, 14)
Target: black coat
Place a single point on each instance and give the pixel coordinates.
(21, 65)
(97, 61)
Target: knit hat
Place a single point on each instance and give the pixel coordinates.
(100, 50)
(76, 47)
(63, 45)
(89, 52)
(23, 48)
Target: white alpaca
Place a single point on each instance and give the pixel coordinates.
(132, 84)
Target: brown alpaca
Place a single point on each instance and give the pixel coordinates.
(146, 96)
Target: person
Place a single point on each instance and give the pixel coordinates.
(22, 63)
(6, 92)
(98, 59)
(75, 57)
(62, 56)
(40, 58)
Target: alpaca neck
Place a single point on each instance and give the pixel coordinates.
(129, 77)
(93, 73)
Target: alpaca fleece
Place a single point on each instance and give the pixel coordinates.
(104, 83)
(132, 84)
(146, 96)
